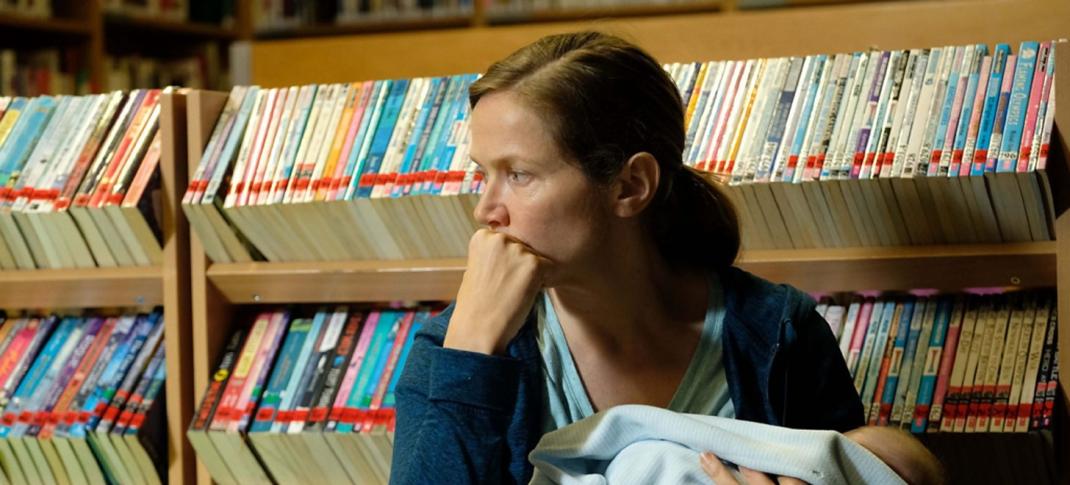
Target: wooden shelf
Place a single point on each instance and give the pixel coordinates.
(54, 26)
(156, 27)
(505, 16)
(319, 282)
(817, 271)
(414, 23)
(947, 267)
(75, 288)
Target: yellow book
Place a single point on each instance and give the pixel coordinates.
(696, 93)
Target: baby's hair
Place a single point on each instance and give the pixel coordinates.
(901, 451)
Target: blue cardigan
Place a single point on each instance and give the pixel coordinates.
(465, 417)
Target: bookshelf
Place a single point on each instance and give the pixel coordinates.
(166, 285)
(94, 34)
(222, 290)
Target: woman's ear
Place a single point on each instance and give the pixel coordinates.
(635, 185)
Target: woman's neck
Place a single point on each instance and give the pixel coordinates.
(628, 294)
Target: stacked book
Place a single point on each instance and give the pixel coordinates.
(83, 399)
(880, 148)
(371, 170)
(280, 15)
(963, 363)
(300, 398)
(79, 181)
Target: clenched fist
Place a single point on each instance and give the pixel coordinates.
(501, 280)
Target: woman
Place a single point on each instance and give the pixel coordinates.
(603, 276)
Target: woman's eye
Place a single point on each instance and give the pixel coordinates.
(519, 177)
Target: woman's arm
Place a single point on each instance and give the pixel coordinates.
(453, 413)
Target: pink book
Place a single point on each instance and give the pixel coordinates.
(252, 192)
(703, 162)
(947, 361)
(975, 120)
(267, 113)
(711, 161)
(1040, 75)
(859, 336)
(353, 369)
(332, 182)
(1045, 117)
(942, 155)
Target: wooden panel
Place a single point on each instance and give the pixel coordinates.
(940, 267)
(211, 313)
(573, 14)
(1061, 154)
(347, 281)
(176, 285)
(746, 34)
(825, 270)
(81, 288)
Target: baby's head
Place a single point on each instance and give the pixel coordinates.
(903, 453)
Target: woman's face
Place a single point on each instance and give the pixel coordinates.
(534, 192)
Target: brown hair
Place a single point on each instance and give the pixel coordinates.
(605, 100)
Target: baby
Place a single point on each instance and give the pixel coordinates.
(642, 444)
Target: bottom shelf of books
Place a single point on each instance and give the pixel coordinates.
(83, 398)
(306, 393)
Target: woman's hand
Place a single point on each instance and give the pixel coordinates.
(500, 282)
(722, 476)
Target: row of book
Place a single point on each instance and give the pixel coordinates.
(303, 398)
(83, 399)
(965, 363)
(280, 15)
(79, 181)
(340, 171)
(919, 146)
(380, 169)
(172, 10)
(41, 71)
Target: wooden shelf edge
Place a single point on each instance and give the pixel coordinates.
(48, 25)
(157, 26)
(814, 270)
(76, 288)
(416, 23)
(504, 17)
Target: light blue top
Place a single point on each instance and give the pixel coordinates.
(703, 390)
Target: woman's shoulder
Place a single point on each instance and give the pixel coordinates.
(751, 297)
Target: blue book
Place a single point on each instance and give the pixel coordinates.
(230, 148)
(291, 396)
(390, 399)
(417, 137)
(381, 141)
(932, 366)
(16, 411)
(896, 363)
(963, 128)
(280, 376)
(23, 138)
(447, 113)
(1016, 107)
(434, 126)
(368, 127)
(454, 137)
(386, 321)
(804, 118)
(879, 344)
(988, 113)
(907, 363)
(381, 360)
